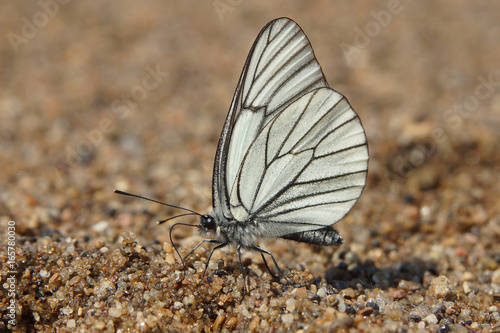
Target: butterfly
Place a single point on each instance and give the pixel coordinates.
(292, 157)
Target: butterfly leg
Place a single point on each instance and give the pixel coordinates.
(238, 250)
(197, 246)
(267, 266)
(280, 271)
(210, 255)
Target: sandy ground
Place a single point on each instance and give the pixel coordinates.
(96, 96)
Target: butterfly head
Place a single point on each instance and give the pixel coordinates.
(207, 223)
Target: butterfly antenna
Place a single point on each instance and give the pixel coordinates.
(174, 217)
(156, 201)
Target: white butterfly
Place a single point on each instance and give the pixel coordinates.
(292, 158)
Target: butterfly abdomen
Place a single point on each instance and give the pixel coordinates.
(323, 236)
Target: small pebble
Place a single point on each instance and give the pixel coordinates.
(71, 323)
(466, 287)
(115, 312)
(231, 322)
(170, 259)
(366, 311)
(99, 227)
(441, 287)
(431, 319)
(468, 276)
(322, 292)
(348, 293)
(66, 310)
(287, 319)
(219, 321)
(495, 278)
(290, 304)
(398, 294)
(217, 284)
(301, 292)
(254, 323)
(70, 248)
(74, 280)
(178, 305)
(99, 325)
(53, 278)
(99, 243)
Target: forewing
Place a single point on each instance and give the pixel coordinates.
(306, 168)
(280, 68)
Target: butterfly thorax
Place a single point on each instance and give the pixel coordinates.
(235, 232)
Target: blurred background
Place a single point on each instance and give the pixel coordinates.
(97, 96)
(132, 95)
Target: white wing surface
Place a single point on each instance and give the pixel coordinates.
(306, 168)
(280, 68)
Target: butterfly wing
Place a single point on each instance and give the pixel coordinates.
(280, 68)
(305, 169)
